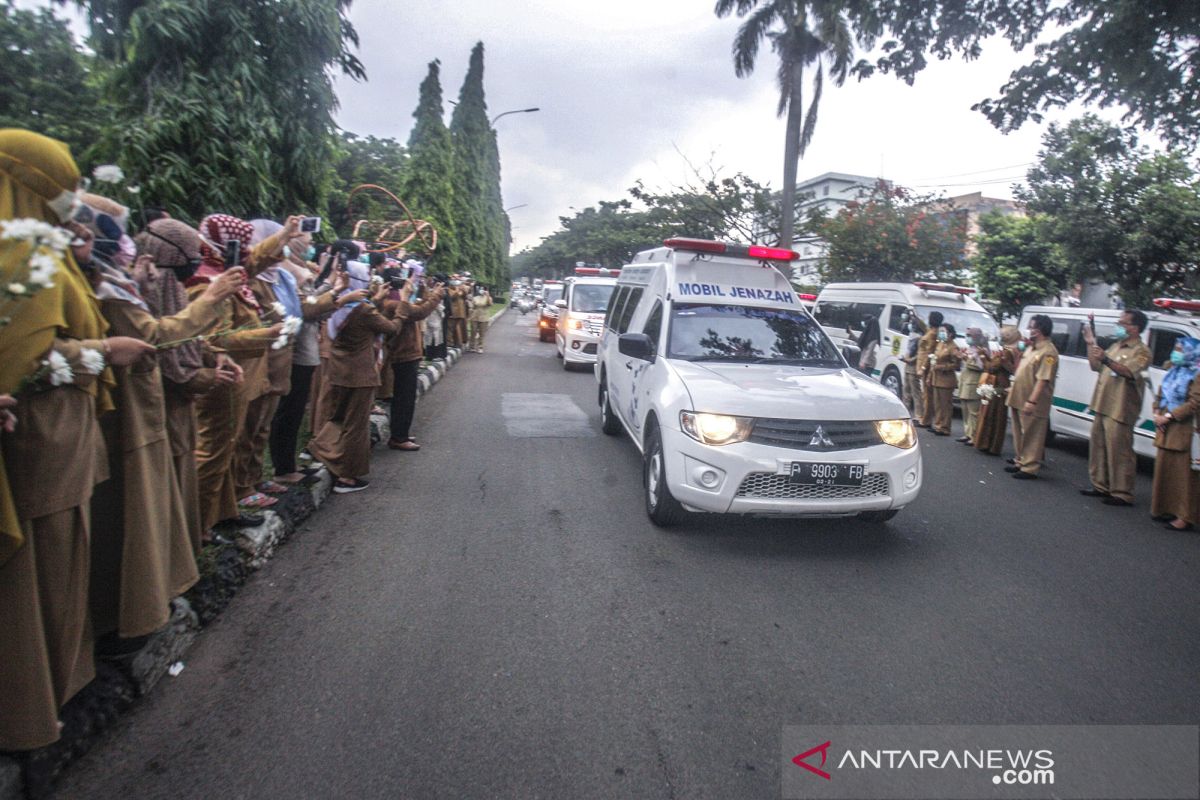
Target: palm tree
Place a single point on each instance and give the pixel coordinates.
(804, 34)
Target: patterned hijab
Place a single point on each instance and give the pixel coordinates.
(171, 243)
(216, 231)
(1177, 380)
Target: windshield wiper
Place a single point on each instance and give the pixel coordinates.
(800, 362)
(749, 359)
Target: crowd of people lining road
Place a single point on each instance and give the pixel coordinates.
(1014, 386)
(145, 376)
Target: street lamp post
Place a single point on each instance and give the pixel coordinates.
(514, 111)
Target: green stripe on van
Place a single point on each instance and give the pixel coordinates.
(1072, 405)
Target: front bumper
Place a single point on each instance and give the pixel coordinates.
(754, 478)
(578, 347)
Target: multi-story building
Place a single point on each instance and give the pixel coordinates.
(829, 193)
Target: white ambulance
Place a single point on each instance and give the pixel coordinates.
(738, 400)
(843, 308)
(1069, 412)
(581, 315)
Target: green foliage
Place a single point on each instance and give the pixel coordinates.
(1143, 55)
(226, 104)
(1015, 266)
(1116, 210)
(609, 235)
(891, 235)
(428, 186)
(382, 162)
(710, 206)
(479, 220)
(805, 34)
(49, 85)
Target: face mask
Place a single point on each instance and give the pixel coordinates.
(1120, 333)
(287, 251)
(65, 205)
(126, 252)
(310, 253)
(1021, 346)
(1177, 358)
(942, 336)
(1029, 335)
(185, 272)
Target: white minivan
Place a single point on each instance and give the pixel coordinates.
(738, 400)
(843, 309)
(1069, 413)
(581, 317)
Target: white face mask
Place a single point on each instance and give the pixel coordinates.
(65, 205)
(1029, 334)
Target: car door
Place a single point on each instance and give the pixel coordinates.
(622, 367)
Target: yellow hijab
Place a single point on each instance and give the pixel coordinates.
(34, 170)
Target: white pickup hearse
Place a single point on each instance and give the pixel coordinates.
(737, 399)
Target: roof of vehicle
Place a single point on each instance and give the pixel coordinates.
(911, 292)
(702, 271)
(1155, 315)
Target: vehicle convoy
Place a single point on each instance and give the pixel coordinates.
(737, 399)
(581, 315)
(1070, 414)
(844, 308)
(550, 292)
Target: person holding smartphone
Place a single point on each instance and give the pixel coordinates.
(404, 354)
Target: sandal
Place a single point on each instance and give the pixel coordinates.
(257, 500)
(271, 487)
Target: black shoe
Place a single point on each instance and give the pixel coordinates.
(1163, 518)
(1093, 493)
(247, 521)
(941, 433)
(1010, 461)
(346, 488)
(963, 439)
(1024, 476)
(1115, 501)
(1012, 469)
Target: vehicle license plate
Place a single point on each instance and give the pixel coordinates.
(810, 474)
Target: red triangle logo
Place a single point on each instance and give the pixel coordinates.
(801, 760)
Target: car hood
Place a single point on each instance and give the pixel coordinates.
(787, 392)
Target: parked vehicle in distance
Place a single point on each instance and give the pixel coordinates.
(548, 315)
(737, 400)
(1069, 412)
(843, 309)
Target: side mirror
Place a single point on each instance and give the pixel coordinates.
(636, 345)
(560, 303)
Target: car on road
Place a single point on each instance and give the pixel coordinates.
(581, 316)
(1070, 414)
(737, 399)
(550, 292)
(843, 309)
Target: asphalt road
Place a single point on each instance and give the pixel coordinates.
(495, 617)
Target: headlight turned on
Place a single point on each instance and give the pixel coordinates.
(715, 428)
(897, 432)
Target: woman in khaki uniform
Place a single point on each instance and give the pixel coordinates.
(993, 415)
(943, 364)
(1176, 484)
(53, 457)
(344, 442)
(142, 554)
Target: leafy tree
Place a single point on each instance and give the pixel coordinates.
(227, 104)
(1143, 55)
(709, 206)
(428, 186)
(479, 221)
(805, 34)
(891, 235)
(49, 85)
(608, 234)
(1014, 265)
(1116, 210)
(383, 162)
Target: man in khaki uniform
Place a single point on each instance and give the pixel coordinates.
(456, 329)
(925, 348)
(480, 318)
(1030, 398)
(1116, 401)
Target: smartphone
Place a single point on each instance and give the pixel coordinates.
(310, 225)
(233, 253)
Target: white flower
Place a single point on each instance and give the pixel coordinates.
(60, 370)
(133, 189)
(311, 299)
(15, 288)
(291, 325)
(91, 360)
(42, 267)
(35, 231)
(279, 343)
(279, 309)
(108, 173)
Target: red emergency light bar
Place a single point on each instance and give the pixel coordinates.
(808, 298)
(602, 271)
(1175, 304)
(943, 287)
(737, 250)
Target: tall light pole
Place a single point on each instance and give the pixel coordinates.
(514, 111)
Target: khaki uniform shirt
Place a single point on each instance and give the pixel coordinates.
(479, 308)
(458, 303)
(924, 348)
(945, 365)
(352, 361)
(1117, 397)
(1038, 363)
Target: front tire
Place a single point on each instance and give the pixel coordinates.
(663, 509)
(608, 420)
(892, 382)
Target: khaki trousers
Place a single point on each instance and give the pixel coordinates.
(478, 331)
(344, 443)
(456, 332)
(914, 394)
(927, 392)
(220, 415)
(1029, 441)
(970, 413)
(1112, 463)
(248, 456)
(943, 408)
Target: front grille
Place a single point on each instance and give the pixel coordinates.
(802, 434)
(589, 349)
(770, 486)
(595, 327)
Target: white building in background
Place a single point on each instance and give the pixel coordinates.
(830, 193)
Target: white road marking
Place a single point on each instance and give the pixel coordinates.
(531, 415)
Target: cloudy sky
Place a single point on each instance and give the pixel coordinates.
(628, 88)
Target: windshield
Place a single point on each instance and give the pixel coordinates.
(963, 318)
(552, 293)
(591, 299)
(746, 334)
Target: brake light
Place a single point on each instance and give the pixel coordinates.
(602, 271)
(943, 287)
(808, 298)
(772, 253)
(1175, 304)
(753, 251)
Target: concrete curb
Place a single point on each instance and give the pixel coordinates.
(223, 570)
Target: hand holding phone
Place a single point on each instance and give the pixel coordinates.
(310, 225)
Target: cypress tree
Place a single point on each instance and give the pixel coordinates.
(429, 185)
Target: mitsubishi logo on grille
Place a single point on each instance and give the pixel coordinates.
(820, 438)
